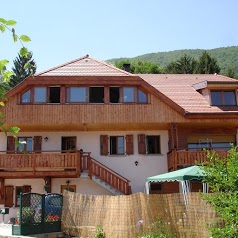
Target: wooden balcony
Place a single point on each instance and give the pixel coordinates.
(41, 164)
(184, 158)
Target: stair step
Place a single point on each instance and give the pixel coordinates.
(106, 186)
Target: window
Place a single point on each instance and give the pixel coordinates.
(142, 97)
(223, 98)
(117, 145)
(54, 95)
(71, 188)
(114, 93)
(128, 95)
(25, 144)
(153, 144)
(216, 142)
(125, 95)
(155, 187)
(96, 94)
(18, 191)
(77, 94)
(26, 97)
(68, 143)
(40, 95)
(212, 145)
(149, 144)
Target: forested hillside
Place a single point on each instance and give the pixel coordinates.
(226, 57)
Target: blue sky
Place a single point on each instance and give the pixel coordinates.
(65, 30)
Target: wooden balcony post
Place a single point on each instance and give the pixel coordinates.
(174, 152)
(34, 163)
(90, 167)
(78, 162)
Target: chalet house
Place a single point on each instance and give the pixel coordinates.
(94, 129)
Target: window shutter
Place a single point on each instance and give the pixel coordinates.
(8, 196)
(10, 143)
(129, 145)
(141, 144)
(103, 144)
(37, 143)
(2, 188)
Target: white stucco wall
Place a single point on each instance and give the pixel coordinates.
(83, 186)
(148, 165)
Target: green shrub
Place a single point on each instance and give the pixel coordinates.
(27, 215)
(160, 230)
(99, 232)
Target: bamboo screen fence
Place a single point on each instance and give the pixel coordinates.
(134, 215)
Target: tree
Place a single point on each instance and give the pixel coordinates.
(207, 64)
(184, 65)
(5, 74)
(222, 178)
(4, 87)
(230, 72)
(139, 67)
(19, 70)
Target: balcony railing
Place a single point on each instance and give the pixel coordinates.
(14, 164)
(183, 158)
(38, 161)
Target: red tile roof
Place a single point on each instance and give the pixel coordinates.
(85, 66)
(179, 88)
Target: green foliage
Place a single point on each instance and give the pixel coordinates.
(5, 25)
(99, 232)
(23, 67)
(207, 64)
(158, 230)
(222, 178)
(184, 65)
(4, 87)
(226, 56)
(139, 67)
(230, 72)
(27, 215)
(5, 75)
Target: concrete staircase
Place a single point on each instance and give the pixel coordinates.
(106, 186)
(100, 182)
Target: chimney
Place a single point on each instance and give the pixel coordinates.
(127, 67)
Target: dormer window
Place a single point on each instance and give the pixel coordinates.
(40, 94)
(223, 98)
(77, 94)
(54, 94)
(142, 96)
(26, 97)
(128, 94)
(96, 94)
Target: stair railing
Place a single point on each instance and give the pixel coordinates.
(109, 176)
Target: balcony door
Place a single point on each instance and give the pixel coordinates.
(68, 143)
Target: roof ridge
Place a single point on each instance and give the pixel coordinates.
(112, 66)
(62, 65)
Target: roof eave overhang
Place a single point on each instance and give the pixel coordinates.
(214, 115)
